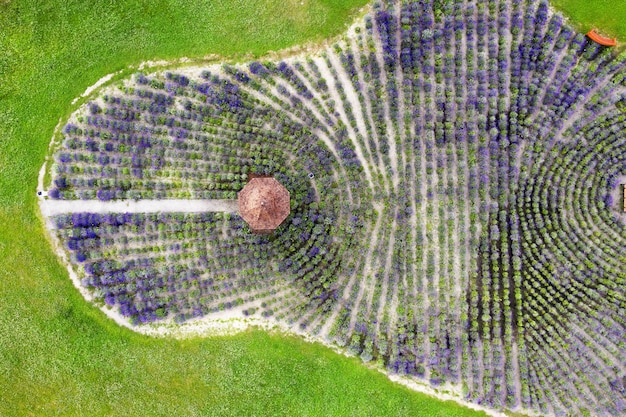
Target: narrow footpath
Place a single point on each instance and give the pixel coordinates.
(54, 207)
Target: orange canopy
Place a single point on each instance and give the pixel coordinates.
(593, 35)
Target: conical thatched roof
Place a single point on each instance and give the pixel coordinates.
(264, 204)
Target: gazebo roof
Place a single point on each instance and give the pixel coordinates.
(264, 204)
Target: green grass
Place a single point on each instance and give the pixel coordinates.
(61, 356)
(609, 16)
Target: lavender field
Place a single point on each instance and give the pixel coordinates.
(453, 169)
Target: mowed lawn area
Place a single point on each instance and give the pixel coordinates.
(60, 356)
(607, 15)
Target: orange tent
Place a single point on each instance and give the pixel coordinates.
(593, 35)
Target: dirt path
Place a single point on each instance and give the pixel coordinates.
(339, 108)
(368, 280)
(54, 207)
(368, 118)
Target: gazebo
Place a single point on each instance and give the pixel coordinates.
(264, 204)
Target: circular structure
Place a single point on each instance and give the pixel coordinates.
(263, 204)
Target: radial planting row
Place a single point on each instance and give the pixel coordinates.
(451, 166)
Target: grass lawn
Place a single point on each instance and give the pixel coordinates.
(60, 356)
(609, 16)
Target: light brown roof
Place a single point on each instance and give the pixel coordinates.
(264, 204)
